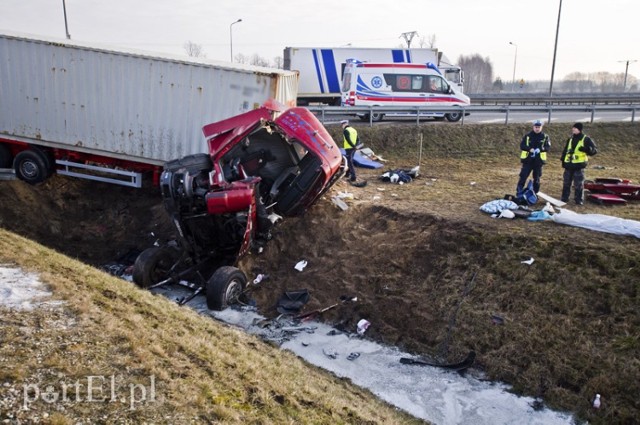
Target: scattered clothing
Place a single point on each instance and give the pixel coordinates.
(541, 215)
(496, 206)
(400, 176)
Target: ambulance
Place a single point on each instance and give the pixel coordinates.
(399, 84)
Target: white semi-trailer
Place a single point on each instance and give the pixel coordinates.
(110, 114)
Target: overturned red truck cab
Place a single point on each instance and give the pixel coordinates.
(224, 203)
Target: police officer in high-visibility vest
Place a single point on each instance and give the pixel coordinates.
(533, 155)
(575, 157)
(350, 141)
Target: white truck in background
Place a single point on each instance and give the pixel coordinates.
(321, 69)
(110, 114)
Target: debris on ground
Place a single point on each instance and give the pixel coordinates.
(353, 356)
(363, 325)
(300, 265)
(332, 354)
(497, 320)
(291, 302)
(399, 175)
(460, 366)
(371, 155)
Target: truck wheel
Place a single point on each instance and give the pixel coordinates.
(193, 163)
(153, 265)
(32, 166)
(225, 287)
(5, 157)
(453, 116)
(49, 160)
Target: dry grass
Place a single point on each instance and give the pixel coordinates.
(204, 372)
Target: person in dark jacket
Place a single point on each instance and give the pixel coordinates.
(533, 155)
(575, 157)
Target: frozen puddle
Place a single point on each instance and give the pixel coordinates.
(22, 291)
(429, 393)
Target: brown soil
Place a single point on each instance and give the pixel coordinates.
(429, 269)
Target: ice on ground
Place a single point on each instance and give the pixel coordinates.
(439, 396)
(22, 291)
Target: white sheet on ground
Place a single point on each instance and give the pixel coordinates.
(598, 222)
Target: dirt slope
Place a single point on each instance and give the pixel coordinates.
(430, 270)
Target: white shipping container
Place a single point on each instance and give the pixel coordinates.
(126, 104)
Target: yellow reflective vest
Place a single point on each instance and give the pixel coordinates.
(354, 138)
(574, 155)
(543, 155)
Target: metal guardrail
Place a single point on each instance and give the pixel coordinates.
(555, 99)
(325, 112)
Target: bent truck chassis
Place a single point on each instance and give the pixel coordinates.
(225, 203)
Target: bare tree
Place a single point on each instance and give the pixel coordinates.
(278, 62)
(605, 82)
(258, 60)
(194, 50)
(429, 42)
(478, 72)
(240, 58)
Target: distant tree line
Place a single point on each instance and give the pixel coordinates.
(478, 78)
(196, 51)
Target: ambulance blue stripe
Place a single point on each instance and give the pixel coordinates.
(409, 56)
(318, 73)
(330, 68)
(397, 55)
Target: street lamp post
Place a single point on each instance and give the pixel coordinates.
(66, 27)
(515, 60)
(231, 36)
(555, 49)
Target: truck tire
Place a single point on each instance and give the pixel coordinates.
(32, 166)
(225, 287)
(453, 116)
(50, 161)
(193, 163)
(5, 157)
(153, 265)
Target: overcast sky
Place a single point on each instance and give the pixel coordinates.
(594, 35)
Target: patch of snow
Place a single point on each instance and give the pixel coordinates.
(22, 291)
